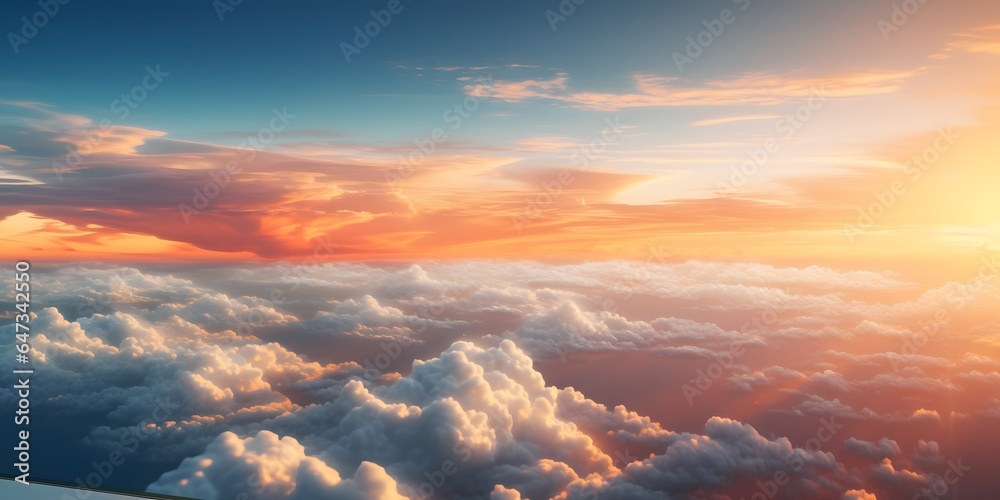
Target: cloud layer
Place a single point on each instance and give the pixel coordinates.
(351, 379)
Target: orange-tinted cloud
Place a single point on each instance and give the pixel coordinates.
(520, 198)
(984, 40)
(657, 91)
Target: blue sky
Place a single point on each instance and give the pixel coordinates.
(229, 73)
(263, 54)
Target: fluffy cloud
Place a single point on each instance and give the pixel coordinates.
(858, 495)
(884, 448)
(816, 405)
(172, 375)
(546, 309)
(268, 467)
(480, 421)
(180, 357)
(366, 317)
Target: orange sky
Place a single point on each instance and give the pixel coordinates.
(614, 194)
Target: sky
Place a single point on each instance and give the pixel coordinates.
(509, 249)
(478, 130)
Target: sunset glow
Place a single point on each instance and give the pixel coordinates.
(502, 250)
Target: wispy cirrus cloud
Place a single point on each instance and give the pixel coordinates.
(658, 91)
(985, 40)
(731, 119)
